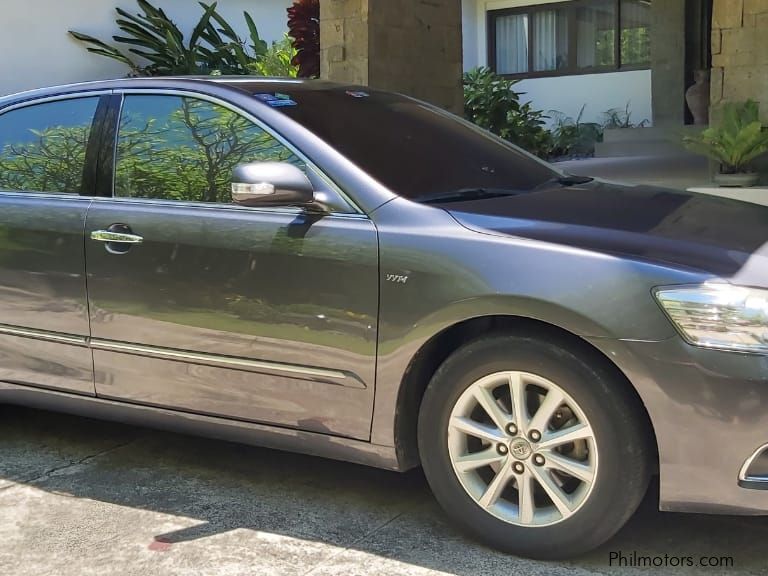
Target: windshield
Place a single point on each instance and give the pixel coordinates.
(415, 150)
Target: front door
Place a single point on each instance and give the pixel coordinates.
(44, 189)
(265, 315)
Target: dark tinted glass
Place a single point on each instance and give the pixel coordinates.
(635, 32)
(596, 34)
(42, 147)
(175, 148)
(410, 147)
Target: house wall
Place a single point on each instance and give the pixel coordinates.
(566, 94)
(740, 53)
(35, 49)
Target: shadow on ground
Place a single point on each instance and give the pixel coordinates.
(79, 496)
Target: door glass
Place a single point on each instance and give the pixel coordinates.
(43, 146)
(179, 148)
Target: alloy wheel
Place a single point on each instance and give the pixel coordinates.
(522, 448)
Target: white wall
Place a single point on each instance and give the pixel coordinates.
(600, 92)
(469, 15)
(567, 94)
(35, 49)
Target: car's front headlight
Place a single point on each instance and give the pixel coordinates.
(719, 316)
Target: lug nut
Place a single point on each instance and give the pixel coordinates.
(511, 429)
(518, 467)
(502, 449)
(534, 435)
(538, 459)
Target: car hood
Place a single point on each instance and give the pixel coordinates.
(723, 237)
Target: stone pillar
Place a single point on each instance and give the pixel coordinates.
(408, 46)
(668, 62)
(739, 54)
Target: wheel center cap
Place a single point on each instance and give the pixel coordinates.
(520, 449)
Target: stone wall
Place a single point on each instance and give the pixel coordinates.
(740, 53)
(409, 46)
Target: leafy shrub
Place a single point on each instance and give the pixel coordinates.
(736, 141)
(491, 102)
(213, 47)
(277, 60)
(616, 118)
(304, 28)
(572, 137)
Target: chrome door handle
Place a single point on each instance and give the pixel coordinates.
(117, 237)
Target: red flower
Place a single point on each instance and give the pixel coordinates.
(304, 29)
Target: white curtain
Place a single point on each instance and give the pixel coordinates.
(550, 35)
(512, 44)
(544, 32)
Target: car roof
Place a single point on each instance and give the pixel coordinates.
(247, 84)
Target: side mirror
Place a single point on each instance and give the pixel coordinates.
(271, 184)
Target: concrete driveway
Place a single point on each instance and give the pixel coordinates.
(79, 497)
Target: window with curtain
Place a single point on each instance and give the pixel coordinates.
(575, 37)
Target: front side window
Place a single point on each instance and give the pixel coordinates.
(43, 146)
(575, 37)
(180, 148)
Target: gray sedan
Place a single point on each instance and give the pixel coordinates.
(355, 274)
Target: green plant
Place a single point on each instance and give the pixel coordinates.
(304, 28)
(277, 60)
(491, 102)
(212, 48)
(736, 141)
(616, 118)
(572, 136)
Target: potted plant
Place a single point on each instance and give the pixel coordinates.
(736, 142)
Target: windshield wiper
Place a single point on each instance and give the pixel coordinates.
(465, 194)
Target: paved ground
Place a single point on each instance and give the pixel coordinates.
(79, 497)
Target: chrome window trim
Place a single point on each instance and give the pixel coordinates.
(48, 195)
(289, 210)
(355, 209)
(47, 100)
(56, 98)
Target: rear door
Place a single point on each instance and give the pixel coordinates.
(45, 180)
(266, 315)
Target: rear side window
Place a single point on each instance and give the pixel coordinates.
(179, 148)
(43, 146)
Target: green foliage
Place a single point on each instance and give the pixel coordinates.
(189, 154)
(635, 46)
(212, 48)
(572, 137)
(277, 60)
(737, 141)
(52, 161)
(491, 102)
(616, 118)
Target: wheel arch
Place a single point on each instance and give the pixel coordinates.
(441, 345)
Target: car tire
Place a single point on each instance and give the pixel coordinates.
(522, 512)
